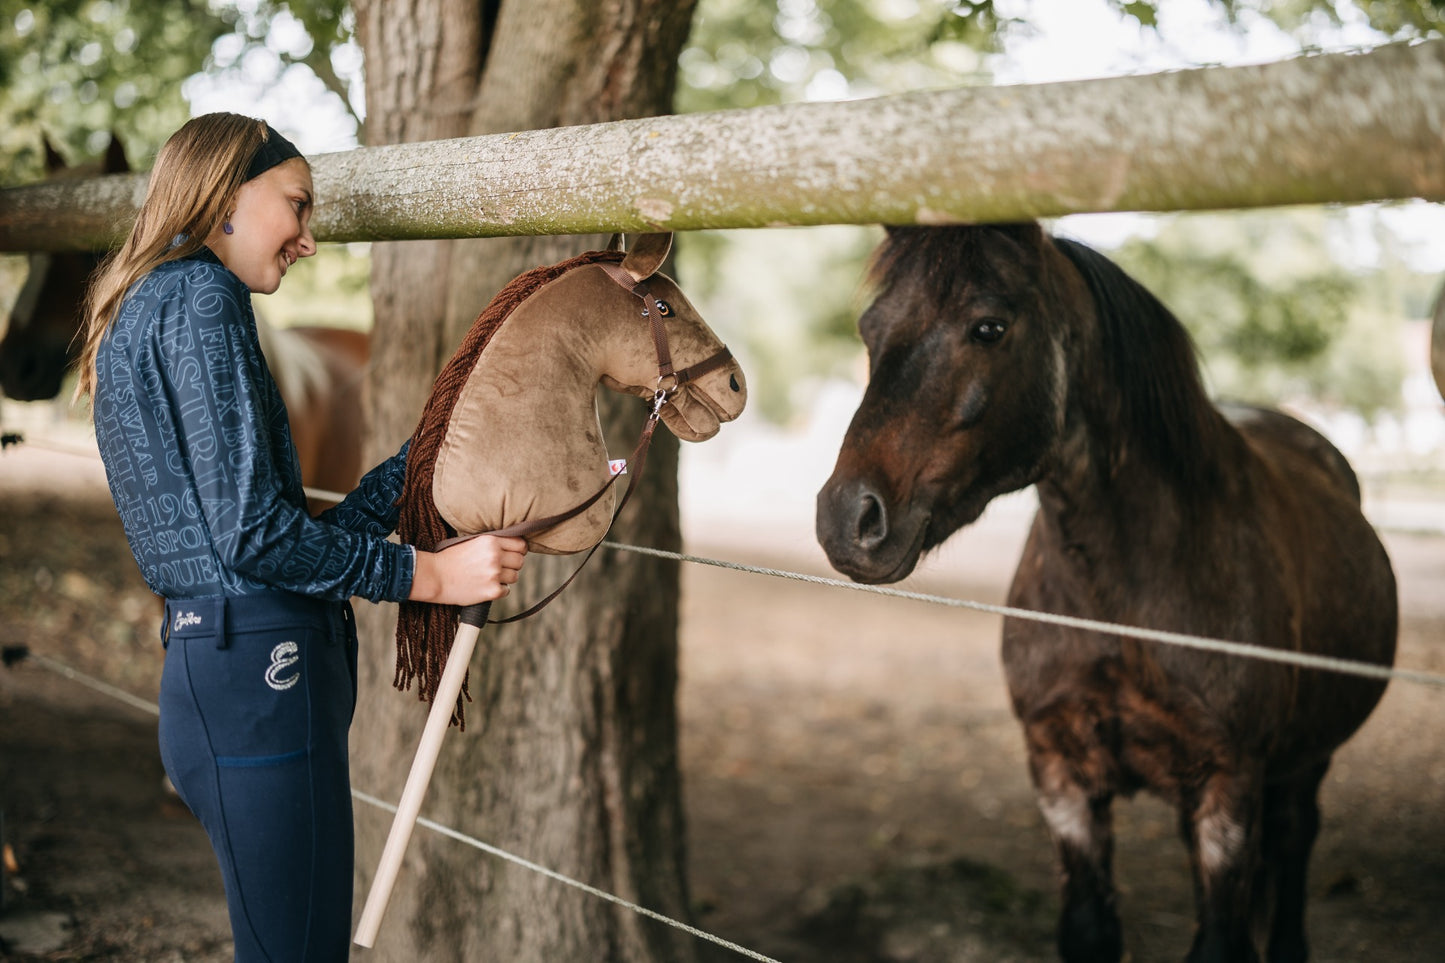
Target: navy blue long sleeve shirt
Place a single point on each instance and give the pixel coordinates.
(200, 461)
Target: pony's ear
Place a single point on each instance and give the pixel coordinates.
(53, 161)
(115, 162)
(616, 243)
(647, 255)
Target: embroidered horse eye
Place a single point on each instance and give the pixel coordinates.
(664, 309)
(988, 330)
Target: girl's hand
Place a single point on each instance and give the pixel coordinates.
(481, 569)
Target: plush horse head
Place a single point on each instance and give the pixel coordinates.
(511, 431)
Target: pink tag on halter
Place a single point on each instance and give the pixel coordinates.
(617, 466)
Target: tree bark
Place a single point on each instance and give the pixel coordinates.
(569, 758)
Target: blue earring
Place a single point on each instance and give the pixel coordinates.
(228, 228)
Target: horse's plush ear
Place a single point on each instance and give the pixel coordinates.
(616, 243)
(647, 255)
(115, 162)
(53, 161)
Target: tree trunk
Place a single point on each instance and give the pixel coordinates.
(569, 758)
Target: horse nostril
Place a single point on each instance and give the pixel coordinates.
(733, 383)
(872, 521)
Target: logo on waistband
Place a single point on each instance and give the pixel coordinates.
(185, 620)
(283, 657)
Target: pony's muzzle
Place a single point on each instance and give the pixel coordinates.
(852, 526)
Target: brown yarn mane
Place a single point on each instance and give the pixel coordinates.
(424, 631)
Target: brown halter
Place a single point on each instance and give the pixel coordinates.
(654, 312)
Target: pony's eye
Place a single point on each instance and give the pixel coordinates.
(664, 309)
(987, 330)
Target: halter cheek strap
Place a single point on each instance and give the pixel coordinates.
(477, 614)
(653, 313)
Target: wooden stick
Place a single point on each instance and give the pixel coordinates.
(437, 723)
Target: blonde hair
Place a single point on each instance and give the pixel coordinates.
(192, 186)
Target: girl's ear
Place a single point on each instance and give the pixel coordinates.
(647, 255)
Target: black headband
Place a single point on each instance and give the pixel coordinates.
(273, 150)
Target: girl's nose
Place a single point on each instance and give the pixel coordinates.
(306, 244)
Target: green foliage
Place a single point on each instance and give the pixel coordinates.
(1395, 19)
(1145, 13)
(785, 299)
(1207, 269)
(78, 69)
(1275, 315)
(746, 53)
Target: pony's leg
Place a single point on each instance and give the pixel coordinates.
(1291, 823)
(1080, 820)
(1221, 826)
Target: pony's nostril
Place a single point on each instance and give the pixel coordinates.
(733, 383)
(872, 521)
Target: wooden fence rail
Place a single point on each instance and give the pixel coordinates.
(1342, 128)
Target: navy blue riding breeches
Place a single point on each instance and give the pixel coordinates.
(256, 700)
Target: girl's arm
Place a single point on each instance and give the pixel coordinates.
(372, 508)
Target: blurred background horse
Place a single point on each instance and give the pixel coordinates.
(319, 370)
(1001, 357)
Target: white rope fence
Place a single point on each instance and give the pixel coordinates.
(1246, 650)
(1264, 653)
(105, 688)
(566, 880)
(1301, 659)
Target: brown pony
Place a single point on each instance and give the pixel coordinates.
(1001, 357)
(319, 370)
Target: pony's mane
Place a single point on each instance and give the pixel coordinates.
(1154, 370)
(424, 632)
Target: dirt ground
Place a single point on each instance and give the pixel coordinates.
(855, 784)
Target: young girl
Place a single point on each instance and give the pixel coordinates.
(259, 681)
